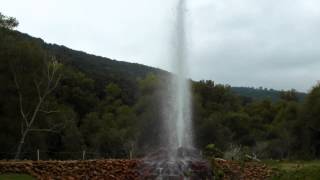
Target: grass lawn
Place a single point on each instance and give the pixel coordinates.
(15, 177)
(294, 170)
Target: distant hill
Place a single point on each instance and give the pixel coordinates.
(100, 66)
(261, 93)
(105, 70)
(92, 64)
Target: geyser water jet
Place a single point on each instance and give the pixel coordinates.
(182, 114)
(178, 120)
(178, 156)
(177, 132)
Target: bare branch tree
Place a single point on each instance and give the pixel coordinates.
(51, 77)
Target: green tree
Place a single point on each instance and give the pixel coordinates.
(77, 90)
(240, 126)
(70, 136)
(310, 122)
(147, 109)
(113, 91)
(8, 22)
(289, 95)
(212, 131)
(282, 143)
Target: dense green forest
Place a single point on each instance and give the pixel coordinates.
(63, 101)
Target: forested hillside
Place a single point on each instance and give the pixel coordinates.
(63, 101)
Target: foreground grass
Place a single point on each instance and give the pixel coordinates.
(15, 177)
(294, 170)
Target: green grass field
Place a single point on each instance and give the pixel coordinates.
(16, 177)
(295, 170)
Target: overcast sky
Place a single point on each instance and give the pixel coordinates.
(269, 43)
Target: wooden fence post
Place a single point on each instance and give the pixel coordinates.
(38, 154)
(130, 154)
(83, 154)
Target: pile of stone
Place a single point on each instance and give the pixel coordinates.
(71, 170)
(175, 170)
(135, 169)
(244, 170)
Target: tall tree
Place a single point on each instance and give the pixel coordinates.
(290, 95)
(45, 83)
(311, 121)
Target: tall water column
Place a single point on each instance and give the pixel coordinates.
(178, 157)
(180, 113)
